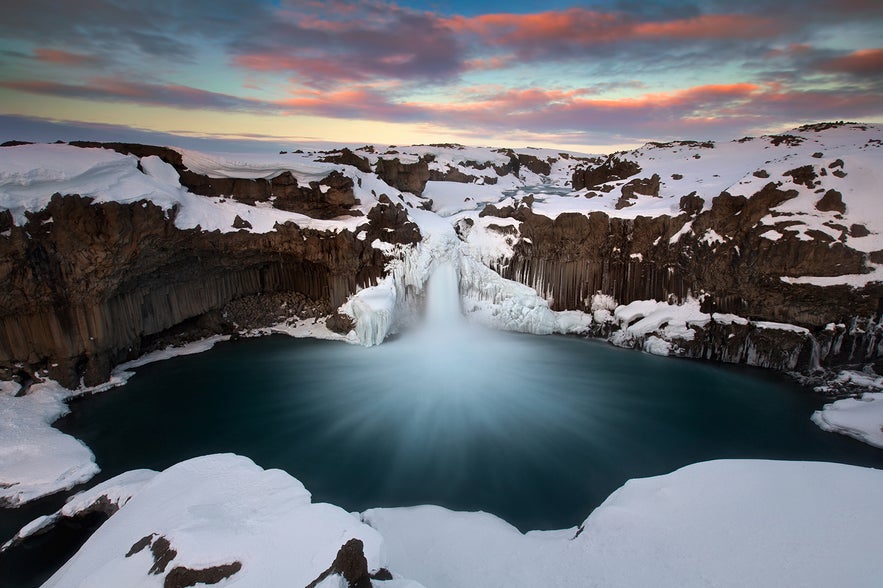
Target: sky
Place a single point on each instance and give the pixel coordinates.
(585, 76)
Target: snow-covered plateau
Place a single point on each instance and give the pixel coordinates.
(764, 251)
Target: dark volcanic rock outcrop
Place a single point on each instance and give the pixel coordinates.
(721, 255)
(86, 286)
(407, 177)
(611, 170)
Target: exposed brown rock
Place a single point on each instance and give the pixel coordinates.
(407, 177)
(340, 323)
(534, 164)
(804, 175)
(611, 170)
(239, 223)
(93, 287)
(642, 186)
(858, 231)
(691, 203)
(351, 564)
(575, 256)
(390, 223)
(832, 201)
(181, 577)
(346, 157)
(139, 545)
(163, 554)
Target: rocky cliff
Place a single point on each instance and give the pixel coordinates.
(773, 244)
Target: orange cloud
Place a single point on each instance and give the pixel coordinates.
(861, 62)
(578, 26)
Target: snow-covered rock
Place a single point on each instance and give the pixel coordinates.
(719, 524)
(217, 516)
(35, 458)
(861, 418)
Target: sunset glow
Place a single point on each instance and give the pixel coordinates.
(590, 76)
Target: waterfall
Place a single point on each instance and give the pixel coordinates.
(443, 299)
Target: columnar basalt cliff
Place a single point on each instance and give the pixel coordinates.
(87, 286)
(776, 240)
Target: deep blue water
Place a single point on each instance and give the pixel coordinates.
(537, 430)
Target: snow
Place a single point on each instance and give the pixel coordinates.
(216, 510)
(687, 228)
(854, 280)
(722, 523)
(781, 327)
(117, 491)
(173, 351)
(642, 317)
(711, 237)
(719, 523)
(451, 197)
(36, 459)
(31, 174)
(861, 418)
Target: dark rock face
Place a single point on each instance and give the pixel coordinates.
(340, 323)
(351, 564)
(611, 170)
(182, 577)
(346, 157)
(407, 177)
(575, 256)
(832, 201)
(100, 282)
(389, 222)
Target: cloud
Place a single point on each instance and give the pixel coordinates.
(864, 62)
(330, 44)
(117, 90)
(575, 31)
(61, 57)
(167, 29)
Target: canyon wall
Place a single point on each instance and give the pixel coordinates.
(87, 286)
(575, 256)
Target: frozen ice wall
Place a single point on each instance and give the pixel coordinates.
(454, 284)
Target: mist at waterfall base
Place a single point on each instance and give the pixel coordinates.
(537, 430)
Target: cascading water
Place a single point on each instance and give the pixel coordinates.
(443, 300)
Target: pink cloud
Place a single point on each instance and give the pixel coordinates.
(60, 57)
(582, 27)
(864, 62)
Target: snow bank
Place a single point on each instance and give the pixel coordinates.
(114, 493)
(213, 511)
(656, 325)
(727, 523)
(722, 523)
(861, 418)
(35, 458)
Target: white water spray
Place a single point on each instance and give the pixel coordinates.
(443, 299)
